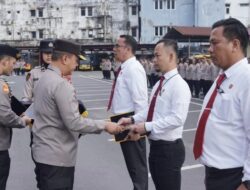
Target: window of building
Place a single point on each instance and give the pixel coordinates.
(170, 4)
(33, 13)
(40, 32)
(9, 12)
(90, 11)
(83, 11)
(33, 34)
(40, 12)
(134, 31)
(18, 12)
(84, 33)
(90, 33)
(173, 4)
(244, 4)
(227, 8)
(9, 33)
(134, 10)
(158, 4)
(159, 30)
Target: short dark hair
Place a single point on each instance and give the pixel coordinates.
(3, 57)
(56, 55)
(130, 41)
(234, 29)
(169, 43)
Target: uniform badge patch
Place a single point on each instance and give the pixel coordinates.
(28, 76)
(6, 89)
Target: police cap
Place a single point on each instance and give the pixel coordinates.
(69, 47)
(9, 51)
(46, 45)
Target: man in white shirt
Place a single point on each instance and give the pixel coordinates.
(130, 94)
(223, 133)
(164, 119)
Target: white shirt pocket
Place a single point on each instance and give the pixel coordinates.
(162, 105)
(225, 107)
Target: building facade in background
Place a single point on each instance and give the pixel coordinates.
(26, 22)
(239, 9)
(157, 16)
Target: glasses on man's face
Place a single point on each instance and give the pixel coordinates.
(118, 46)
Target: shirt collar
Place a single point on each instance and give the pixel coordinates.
(170, 74)
(128, 62)
(235, 67)
(56, 69)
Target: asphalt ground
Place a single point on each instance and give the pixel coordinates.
(100, 164)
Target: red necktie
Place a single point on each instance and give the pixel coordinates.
(152, 103)
(113, 89)
(199, 136)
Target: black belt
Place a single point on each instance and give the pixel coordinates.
(163, 142)
(3, 151)
(228, 170)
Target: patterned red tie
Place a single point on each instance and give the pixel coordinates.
(199, 136)
(113, 90)
(152, 103)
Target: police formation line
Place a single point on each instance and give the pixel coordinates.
(221, 141)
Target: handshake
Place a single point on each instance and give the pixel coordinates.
(135, 130)
(28, 121)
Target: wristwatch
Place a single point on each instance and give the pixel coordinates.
(247, 184)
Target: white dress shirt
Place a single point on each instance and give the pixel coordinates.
(170, 110)
(227, 133)
(131, 92)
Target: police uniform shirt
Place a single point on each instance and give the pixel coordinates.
(131, 93)
(182, 70)
(31, 80)
(57, 121)
(196, 72)
(8, 119)
(226, 139)
(171, 108)
(189, 72)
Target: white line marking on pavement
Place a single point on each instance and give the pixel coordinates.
(92, 87)
(100, 80)
(95, 100)
(89, 109)
(108, 90)
(199, 99)
(187, 130)
(191, 167)
(194, 111)
(92, 94)
(11, 82)
(195, 103)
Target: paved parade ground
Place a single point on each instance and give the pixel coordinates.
(100, 164)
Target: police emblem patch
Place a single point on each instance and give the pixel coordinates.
(28, 76)
(6, 89)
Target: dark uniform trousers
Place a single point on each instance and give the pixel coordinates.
(165, 161)
(226, 179)
(4, 168)
(54, 177)
(135, 157)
